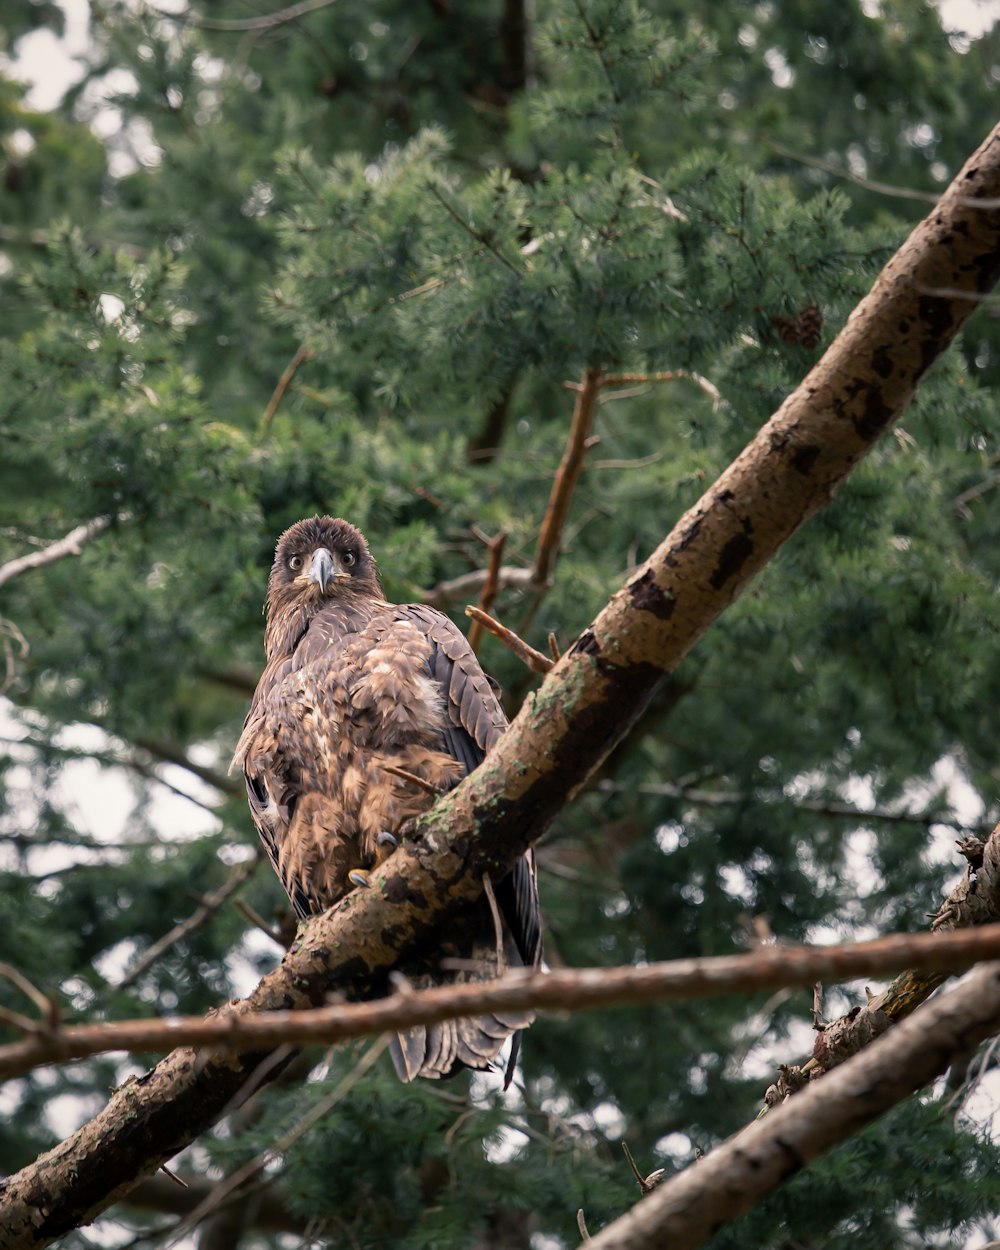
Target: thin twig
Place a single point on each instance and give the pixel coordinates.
(48, 1008)
(69, 545)
(577, 989)
(209, 905)
(581, 1224)
(667, 375)
(866, 184)
(174, 755)
(284, 382)
(491, 898)
(14, 1020)
(566, 478)
(413, 779)
(817, 1011)
(535, 660)
(822, 807)
(635, 1171)
(257, 920)
(456, 589)
(491, 585)
(256, 1165)
(479, 235)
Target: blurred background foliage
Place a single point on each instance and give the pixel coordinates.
(260, 263)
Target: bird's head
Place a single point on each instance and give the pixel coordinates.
(319, 559)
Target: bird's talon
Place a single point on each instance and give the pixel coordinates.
(385, 838)
(358, 876)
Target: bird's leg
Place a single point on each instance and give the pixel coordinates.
(385, 844)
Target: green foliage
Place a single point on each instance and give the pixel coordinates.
(348, 263)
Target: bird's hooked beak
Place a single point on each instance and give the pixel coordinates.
(324, 568)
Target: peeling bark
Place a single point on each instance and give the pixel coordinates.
(585, 706)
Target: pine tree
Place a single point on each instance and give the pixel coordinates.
(349, 262)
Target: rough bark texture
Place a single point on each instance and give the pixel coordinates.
(585, 706)
(689, 1209)
(567, 989)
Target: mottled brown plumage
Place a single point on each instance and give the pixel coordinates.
(354, 685)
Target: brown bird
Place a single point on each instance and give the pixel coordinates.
(354, 688)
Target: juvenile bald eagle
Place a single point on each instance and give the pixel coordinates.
(353, 684)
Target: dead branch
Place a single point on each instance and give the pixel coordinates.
(284, 382)
(688, 1209)
(586, 705)
(420, 782)
(526, 653)
(69, 545)
(974, 902)
(207, 908)
(458, 589)
(568, 989)
(491, 585)
(235, 1180)
(646, 1183)
(566, 478)
(258, 921)
(665, 375)
(269, 1211)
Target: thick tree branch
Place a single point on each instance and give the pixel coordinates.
(567, 989)
(70, 545)
(584, 707)
(687, 1210)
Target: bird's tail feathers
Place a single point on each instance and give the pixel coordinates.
(443, 1049)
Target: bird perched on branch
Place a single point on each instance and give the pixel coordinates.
(365, 711)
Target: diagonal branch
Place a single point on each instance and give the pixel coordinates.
(566, 989)
(491, 586)
(585, 706)
(690, 1208)
(207, 907)
(69, 545)
(535, 660)
(566, 477)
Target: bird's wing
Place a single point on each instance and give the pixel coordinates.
(271, 796)
(474, 723)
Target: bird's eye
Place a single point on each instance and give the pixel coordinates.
(349, 559)
(295, 563)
